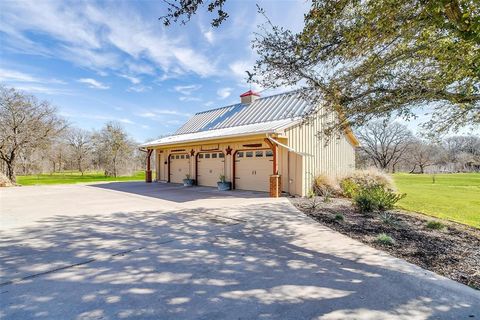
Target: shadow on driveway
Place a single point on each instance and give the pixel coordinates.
(177, 192)
(200, 264)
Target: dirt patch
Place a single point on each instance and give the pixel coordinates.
(453, 251)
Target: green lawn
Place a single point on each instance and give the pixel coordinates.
(453, 197)
(74, 177)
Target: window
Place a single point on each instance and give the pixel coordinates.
(187, 157)
(214, 155)
(249, 154)
(239, 154)
(182, 156)
(200, 156)
(258, 154)
(177, 157)
(221, 155)
(207, 155)
(269, 153)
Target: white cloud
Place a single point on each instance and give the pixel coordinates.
(92, 83)
(96, 117)
(125, 120)
(139, 88)
(172, 112)
(240, 67)
(209, 35)
(111, 36)
(42, 89)
(147, 115)
(133, 80)
(187, 90)
(208, 104)
(224, 93)
(187, 99)
(158, 113)
(8, 75)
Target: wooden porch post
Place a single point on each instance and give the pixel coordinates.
(148, 172)
(275, 181)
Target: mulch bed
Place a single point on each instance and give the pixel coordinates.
(453, 251)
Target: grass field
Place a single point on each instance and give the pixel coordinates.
(74, 177)
(454, 197)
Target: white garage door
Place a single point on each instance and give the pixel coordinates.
(210, 166)
(253, 170)
(179, 167)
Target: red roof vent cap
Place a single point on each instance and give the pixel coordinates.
(249, 93)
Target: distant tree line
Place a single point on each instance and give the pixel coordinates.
(392, 147)
(35, 139)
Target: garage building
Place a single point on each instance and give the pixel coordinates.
(261, 144)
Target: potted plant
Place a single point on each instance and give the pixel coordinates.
(188, 182)
(223, 185)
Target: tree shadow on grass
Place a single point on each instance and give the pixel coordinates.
(202, 264)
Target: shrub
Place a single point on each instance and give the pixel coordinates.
(362, 179)
(339, 217)
(312, 204)
(349, 188)
(385, 239)
(388, 218)
(365, 202)
(375, 198)
(435, 225)
(324, 186)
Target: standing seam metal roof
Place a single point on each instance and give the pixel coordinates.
(272, 108)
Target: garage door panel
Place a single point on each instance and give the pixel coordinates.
(179, 167)
(210, 166)
(253, 170)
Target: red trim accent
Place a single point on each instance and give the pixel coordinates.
(249, 93)
(196, 168)
(168, 160)
(273, 146)
(275, 160)
(252, 145)
(149, 155)
(234, 162)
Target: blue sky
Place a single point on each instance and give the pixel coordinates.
(100, 61)
(114, 60)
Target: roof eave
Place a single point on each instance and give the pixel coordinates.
(228, 136)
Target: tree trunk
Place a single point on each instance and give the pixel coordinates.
(11, 171)
(80, 166)
(414, 167)
(422, 169)
(115, 167)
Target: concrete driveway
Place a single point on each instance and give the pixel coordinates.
(156, 251)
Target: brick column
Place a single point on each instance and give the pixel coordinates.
(275, 186)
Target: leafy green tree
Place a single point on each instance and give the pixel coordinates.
(375, 58)
(369, 59)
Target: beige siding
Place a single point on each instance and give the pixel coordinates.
(334, 159)
(217, 147)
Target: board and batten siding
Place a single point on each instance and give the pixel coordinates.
(335, 158)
